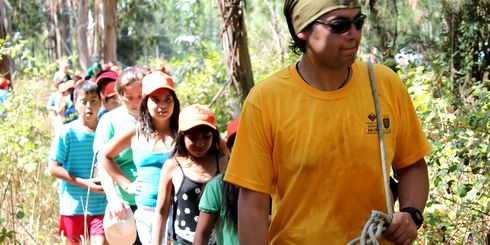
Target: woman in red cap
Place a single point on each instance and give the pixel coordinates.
(152, 142)
(195, 160)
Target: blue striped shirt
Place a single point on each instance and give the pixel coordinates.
(72, 149)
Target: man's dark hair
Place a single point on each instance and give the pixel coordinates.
(296, 45)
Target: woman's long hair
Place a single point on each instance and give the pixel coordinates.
(146, 126)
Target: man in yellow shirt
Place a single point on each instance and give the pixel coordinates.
(308, 137)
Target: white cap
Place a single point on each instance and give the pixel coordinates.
(120, 231)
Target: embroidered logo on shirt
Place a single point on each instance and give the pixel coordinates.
(372, 117)
(386, 122)
(372, 126)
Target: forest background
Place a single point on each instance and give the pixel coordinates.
(216, 50)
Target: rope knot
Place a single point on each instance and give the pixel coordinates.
(373, 229)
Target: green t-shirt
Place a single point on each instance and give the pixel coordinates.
(114, 123)
(212, 201)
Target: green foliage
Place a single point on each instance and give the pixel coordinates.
(27, 18)
(27, 63)
(170, 31)
(458, 166)
(24, 147)
(199, 77)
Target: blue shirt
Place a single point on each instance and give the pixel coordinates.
(72, 149)
(149, 166)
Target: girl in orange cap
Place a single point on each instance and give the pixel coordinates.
(195, 160)
(152, 142)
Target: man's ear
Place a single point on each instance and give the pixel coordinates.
(302, 35)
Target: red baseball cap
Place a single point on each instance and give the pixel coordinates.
(110, 89)
(106, 75)
(195, 115)
(156, 80)
(232, 128)
(4, 82)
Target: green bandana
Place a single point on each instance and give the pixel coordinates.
(300, 13)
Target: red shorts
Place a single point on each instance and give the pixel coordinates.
(72, 227)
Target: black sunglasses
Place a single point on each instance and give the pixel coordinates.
(342, 25)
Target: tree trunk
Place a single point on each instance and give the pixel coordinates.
(51, 43)
(5, 61)
(234, 39)
(63, 29)
(110, 31)
(82, 45)
(98, 29)
(58, 25)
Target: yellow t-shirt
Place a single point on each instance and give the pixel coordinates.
(317, 152)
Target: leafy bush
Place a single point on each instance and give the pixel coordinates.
(458, 209)
(28, 200)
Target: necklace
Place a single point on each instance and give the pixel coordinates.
(347, 78)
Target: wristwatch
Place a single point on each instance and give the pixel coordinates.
(416, 215)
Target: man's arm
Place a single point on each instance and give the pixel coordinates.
(253, 217)
(413, 190)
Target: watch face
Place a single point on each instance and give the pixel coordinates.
(419, 215)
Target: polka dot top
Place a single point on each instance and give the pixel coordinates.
(186, 208)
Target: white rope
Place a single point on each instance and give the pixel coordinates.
(376, 223)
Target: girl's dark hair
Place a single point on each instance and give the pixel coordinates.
(230, 194)
(146, 125)
(85, 87)
(181, 150)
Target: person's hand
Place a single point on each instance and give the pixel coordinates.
(134, 187)
(402, 230)
(117, 208)
(94, 185)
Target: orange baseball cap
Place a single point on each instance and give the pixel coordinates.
(63, 87)
(195, 115)
(156, 80)
(110, 89)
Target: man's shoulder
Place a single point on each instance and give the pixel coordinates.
(283, 74)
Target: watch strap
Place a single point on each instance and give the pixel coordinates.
(416, 215)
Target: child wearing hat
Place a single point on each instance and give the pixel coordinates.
(102, 81)
(65, 106)
(195, 160)
(152, 141)
(111, 98)
(70, 160)
(111, 125)
(219, 205)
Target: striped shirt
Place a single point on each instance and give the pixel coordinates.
(72, 149)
